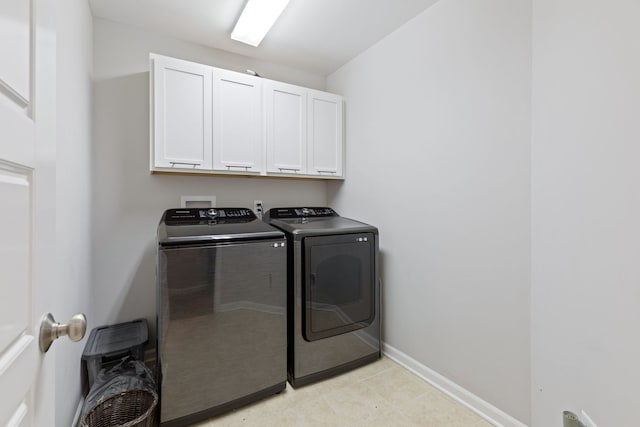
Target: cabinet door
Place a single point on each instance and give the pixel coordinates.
(181, 106)
(286, 128)
(237, 122)
(324, 134)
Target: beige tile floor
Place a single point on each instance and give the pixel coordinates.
(379, 394)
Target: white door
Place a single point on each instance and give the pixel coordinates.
(286, 126)
(237, 122)
(27, 132)
(325, 134)
(181, 114)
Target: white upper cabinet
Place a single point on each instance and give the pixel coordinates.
(181, 110)
(209, 120)
(237, 122)
(324, 134)
(286, 128)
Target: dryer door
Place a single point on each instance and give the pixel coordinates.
(338, 284)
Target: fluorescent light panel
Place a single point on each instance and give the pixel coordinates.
(256, 20)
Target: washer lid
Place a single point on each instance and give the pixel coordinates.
(215, 225)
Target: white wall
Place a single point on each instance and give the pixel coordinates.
(438, 140)
(73, 283)
(586, 210)
(128, 200)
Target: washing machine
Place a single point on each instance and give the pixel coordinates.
(221, 326)
(333, 322)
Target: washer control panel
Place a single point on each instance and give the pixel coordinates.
(302, 212)
(239, 213)
(198, 215)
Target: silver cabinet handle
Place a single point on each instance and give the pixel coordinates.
(50, 330)
(289, 169)
(184, 163)
(324, 171)
(246, 168)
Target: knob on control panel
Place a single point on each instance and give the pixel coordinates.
(212, 213)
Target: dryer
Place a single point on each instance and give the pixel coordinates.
(333, 302)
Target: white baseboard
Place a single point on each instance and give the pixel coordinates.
(484, 409)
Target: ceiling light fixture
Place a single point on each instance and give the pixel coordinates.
(256, 20)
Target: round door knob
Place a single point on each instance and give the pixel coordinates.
(50, 330)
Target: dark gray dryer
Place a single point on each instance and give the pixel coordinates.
(334, 293)
(221, 312)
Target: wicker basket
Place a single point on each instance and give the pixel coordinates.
(131, 408)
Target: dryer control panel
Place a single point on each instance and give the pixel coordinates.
(283, 213)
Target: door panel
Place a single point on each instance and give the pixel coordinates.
(15, 30)
(325, 134)
(15, 205)
(17, 373)
(286, 115)
(237, 122)
(181, 114)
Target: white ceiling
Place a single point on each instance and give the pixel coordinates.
(313, 35)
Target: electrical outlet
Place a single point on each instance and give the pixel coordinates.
(257, 208)
(586, 420)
